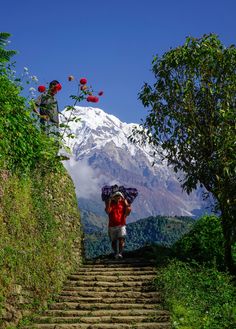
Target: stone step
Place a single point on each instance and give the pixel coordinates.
(112, 278)
(147, 325)
(110, 294)
(142, 288)
(107, 294)
(104, 319)
(102, 312)
(113, 273)
(109, 258)
(118, 264)
(125, 300)
(99, 306)
(115, 269)
(108, 283)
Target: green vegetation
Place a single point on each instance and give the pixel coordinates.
(92, 222)
(198, 297)
(192, 117)
(197, 293)
(40, 236)
(164, 230)
(22, 145)
(5, 55)
(39, 228)
(204, 243)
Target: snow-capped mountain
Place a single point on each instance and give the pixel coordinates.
(103, 155)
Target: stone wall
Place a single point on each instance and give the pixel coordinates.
(40, 241)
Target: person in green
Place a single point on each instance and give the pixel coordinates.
(46, 106)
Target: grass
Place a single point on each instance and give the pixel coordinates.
(198, 291)
(198, 297)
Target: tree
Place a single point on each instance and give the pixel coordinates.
(191, 115)
(5, 55)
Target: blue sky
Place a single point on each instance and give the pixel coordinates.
(111, 43)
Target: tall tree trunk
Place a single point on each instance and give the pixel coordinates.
(228, 234)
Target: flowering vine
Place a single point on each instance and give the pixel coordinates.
(84, 92)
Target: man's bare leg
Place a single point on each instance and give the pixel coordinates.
(121, 245)
(114, 246)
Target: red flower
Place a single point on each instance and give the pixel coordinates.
(58, 87)
(83, 81)
(100, 93)
(90, 98)
(41, 89)
(93, 99)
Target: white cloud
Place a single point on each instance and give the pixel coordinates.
(86, 180)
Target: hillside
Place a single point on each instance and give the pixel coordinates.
(92, 223)
(162, 230)
(40, 239)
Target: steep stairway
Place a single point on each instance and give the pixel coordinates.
(108, 294)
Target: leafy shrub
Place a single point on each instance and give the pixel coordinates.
(198, 297)
(22, 145)
(204, 243)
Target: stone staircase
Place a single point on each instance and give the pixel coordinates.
(107, 294)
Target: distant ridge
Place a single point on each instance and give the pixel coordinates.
(161, 230)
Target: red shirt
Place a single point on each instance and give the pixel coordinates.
(117, 213)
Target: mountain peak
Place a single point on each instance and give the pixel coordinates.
(96, 117)
(103, 155)
(98, 128)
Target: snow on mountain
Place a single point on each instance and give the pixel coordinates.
(102, 154)
(96, 122)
